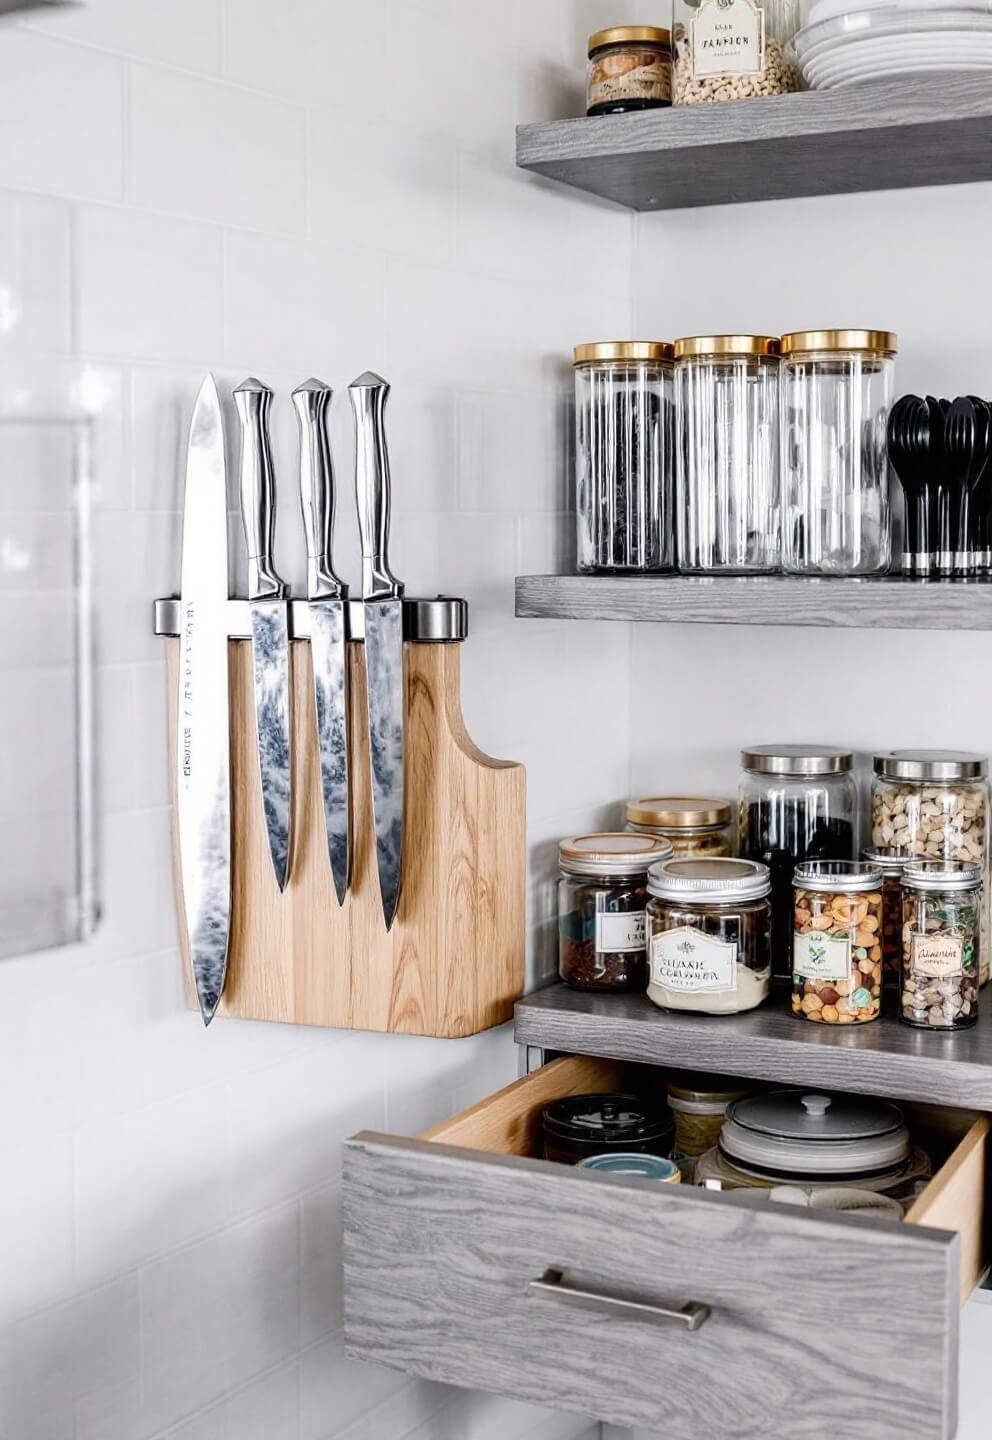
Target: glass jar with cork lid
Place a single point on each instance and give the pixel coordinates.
(696, 826)
(602, 897)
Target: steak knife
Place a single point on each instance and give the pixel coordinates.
(269, 620)
(203, 805)
(383, 606)
(328, 598)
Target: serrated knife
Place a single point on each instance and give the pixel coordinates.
(328, 598)
(203, 806)
(383, 606)
(269, 620)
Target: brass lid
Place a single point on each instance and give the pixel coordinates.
(882, 342)
(629, 35)
(678, 812)
(623, 350)
(727, 345)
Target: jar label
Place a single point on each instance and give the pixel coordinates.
(686, 959)
(727, 37)
(649, 78)
(616, 934)
(821, 957)
(940, 957)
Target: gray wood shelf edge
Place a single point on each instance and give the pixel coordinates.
(887, 604)
(885, 135)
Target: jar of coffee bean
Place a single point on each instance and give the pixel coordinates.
(941, 940)
(602, 897)
(837, 942)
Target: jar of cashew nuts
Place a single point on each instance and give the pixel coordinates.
(837, 942)
(733, 50)
(934, 805)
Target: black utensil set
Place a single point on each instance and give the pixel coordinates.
(941, 452)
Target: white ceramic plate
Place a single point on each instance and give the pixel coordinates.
(857, 59)
(862, 25)
(842, 82)
(820, 10)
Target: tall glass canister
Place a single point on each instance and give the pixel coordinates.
(727, 454)
(624, 415)
(733, 50)
(837, 390)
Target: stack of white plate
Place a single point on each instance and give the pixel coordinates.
(843, 44)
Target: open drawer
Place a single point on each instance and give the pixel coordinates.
(463, 1256)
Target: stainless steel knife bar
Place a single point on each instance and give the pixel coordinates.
(440, 621)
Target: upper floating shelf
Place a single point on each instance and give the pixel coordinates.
(888, 135)
(887, 604)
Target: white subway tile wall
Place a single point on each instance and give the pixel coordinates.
(311, 186)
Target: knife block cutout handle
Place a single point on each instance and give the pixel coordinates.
(312, 400)
(369, 394)
(258, 490)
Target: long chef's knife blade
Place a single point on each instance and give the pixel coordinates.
(269, 620)
(328, 642)
(382, 594)
(203, 736)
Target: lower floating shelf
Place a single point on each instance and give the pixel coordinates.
(883, 1058)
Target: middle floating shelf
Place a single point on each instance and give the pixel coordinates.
(884, 604)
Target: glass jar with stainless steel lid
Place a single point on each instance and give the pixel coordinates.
(892, 867)
(696, 826)
(727, 454)
(709, 935)
(941, 945)
(837, 390)
(797, 802)
(624, 424)
(630, 68)
(934, 805)
(837, 942)
(602, 896)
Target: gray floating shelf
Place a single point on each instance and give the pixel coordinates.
(886, 135)
(884, 1058)
(888, 604)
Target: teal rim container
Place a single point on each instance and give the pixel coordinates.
(644, 1167)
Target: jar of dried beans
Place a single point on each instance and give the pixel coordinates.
(837, 942)
(892, 867)
(700, 827)
(734, 50)
(630, 68)
(941, 942)
(602, 895)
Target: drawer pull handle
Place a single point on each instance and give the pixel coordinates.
(553, 1284)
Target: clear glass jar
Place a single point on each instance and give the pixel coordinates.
(602, 895)
(797, 803)
(630, 68)
(699, 1105)
(892, 867)
(837, 942)
(733, 50)
(942, 903)
(695, 827)
(727, 454)
(624, 423)
(934, 805)
(709, 936)
(837, 390)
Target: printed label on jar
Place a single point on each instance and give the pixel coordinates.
(650, 81)
(616, 934)
(937, 956)
(685, 959)
(727, 38)
(822, 957)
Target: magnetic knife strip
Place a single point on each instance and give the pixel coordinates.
(441, 621)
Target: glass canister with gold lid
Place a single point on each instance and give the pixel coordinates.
(695, 825)
(630, 68)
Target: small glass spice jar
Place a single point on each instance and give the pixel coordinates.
(695, 826)
(892, 867)
(942, 902)
(837, 942)
(602, 896)
(709, 935)
(630, 68)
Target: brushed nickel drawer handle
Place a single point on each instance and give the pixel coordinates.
(554, 1285)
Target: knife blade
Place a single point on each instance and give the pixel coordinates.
(203, 734)
(269, 620)
(327, 597)
(383, 606)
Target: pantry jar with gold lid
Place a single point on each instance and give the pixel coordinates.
(694, 825)
(630, 68)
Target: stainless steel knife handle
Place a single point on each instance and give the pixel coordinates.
(554, 1285)
(312, 401)
(369, 394)
(258, 490)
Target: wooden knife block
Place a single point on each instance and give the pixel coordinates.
(453, 963)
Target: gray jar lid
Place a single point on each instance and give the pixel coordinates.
(833, 876)
(799, 760)
(811, 1133)
(931, 765)
(702, 880)
(941, 875)
(892, 865)
(614, 853)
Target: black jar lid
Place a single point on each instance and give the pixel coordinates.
(607, 1120)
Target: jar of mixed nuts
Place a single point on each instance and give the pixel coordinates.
(892, 867)
(695, 827)
(837, 942)
(630, 68)
(734, 50)
(602, 895)
(941, 943)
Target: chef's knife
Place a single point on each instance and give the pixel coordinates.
(328, 599)
(203, 733)
(382, 594)
(269, 619)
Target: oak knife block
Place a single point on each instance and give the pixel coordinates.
(453, 963)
